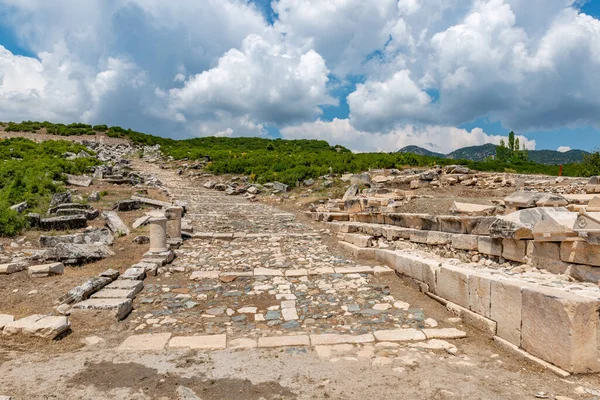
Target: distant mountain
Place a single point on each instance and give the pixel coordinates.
(551, 157)
(480, 153)
(474, 153)
(420, 151)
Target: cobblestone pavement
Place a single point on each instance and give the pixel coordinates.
(253, 271)
(258, 306)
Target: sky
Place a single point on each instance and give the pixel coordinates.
(373, 75)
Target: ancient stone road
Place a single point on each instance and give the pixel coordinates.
(257, 306)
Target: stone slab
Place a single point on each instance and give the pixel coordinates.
(480, 294)
(5, 319)
(114, 294)
(200, 275)
(11, 268)
(505, 309)
(354, 270)
(136, 286)
(44, 270)
(136, 274)
(514, 250)
(399, 335)
(331, 339)
(561, 328)
(580, 252)
(453, 285)
(119, 307)
(242, 343)
(145, 342)
(43, 326)
(267, 272)
(489, 246)
(283, 341)
(208, 342)
(511, 347)
(444, 333)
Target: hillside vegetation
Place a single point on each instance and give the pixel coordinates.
(33, 172)
(485, 151)
(290, 161)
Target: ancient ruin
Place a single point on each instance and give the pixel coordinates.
(181, 263)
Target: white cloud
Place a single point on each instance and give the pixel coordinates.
(218, 67)
(497, 60)
(563, 149)
(264, 81)
(441, 139)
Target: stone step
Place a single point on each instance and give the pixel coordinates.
(120, 308)
(136, 286)
(114, 294)
(544, 321)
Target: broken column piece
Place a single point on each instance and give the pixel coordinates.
(158, 234)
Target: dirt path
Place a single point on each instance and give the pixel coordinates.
(308, 289)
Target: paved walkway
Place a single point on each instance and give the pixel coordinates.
(255, 277)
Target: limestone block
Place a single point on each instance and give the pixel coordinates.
(44, 326)
(115, 223)
(137, 274)
(580, 252)
(465, 242)
(439, 238)
(471, 318)
(480, 294)
(419, 236)
(487, 245)
(450, 224)
(585, 273)
(561, 328)
(11, 268)
(506, 309)
(281, 341)
(453, 285)
(332, 339)
(399, 335)
(114, 294)
(472, 209)
(5, 319)
(44, 270)
(546, 255)
(145, 342)
(520, 224)
(514, 250)
(199, 342)
(136, 286)
(119, 307)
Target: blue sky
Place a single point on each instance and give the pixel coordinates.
(344, 72)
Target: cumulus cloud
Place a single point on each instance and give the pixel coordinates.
(270, 82)
(184, 68)
(563, 149)
(498, 60)
(441, 139)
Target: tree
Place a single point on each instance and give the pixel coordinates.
(511, 141)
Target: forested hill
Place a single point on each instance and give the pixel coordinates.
(292, 161)
(486, 151)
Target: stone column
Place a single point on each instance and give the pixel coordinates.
(158, 234)
(174, 214)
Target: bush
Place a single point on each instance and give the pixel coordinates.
(29, 172)
(11, 223)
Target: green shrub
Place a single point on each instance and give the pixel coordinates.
(11, 223)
